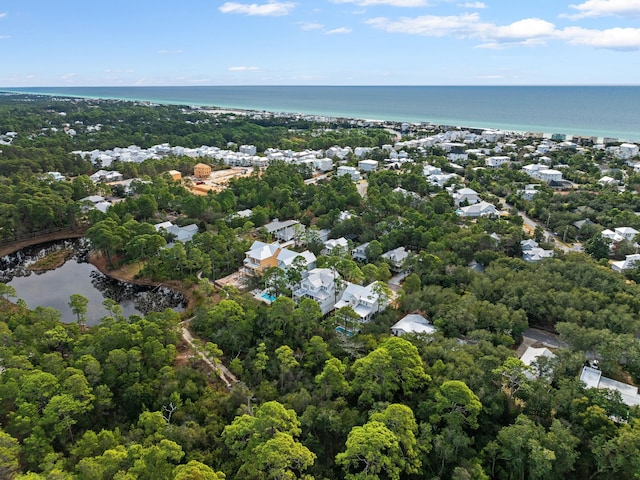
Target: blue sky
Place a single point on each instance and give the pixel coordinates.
(319, 42)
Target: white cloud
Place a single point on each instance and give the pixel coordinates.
(269, 9)
(431, 25)
(310, 26)
(525, 32)
(2, 37)
(612, 38)
(474, 5)
(243, 69)
(337, 31)
(605, 8)
(3, 14)
(169, 52)
(390, 3)
(489, 77)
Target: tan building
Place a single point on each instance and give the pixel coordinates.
(201, 170)
(175, 175)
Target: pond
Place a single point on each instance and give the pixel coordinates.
(54, 287)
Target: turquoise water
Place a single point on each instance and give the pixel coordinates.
(603, 111)
(269, 298)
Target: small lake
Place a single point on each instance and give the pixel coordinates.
(54, 287)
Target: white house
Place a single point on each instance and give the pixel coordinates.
(428, 170)
(535, 254)
(396, 258)
(319, 285)
(286, 258)
(628, 233)
(335, 246)
(547, 175)
(359, 253)
(364, 300)
(106, 176)
(286, 230)
(630, 261)
(496, 161)
(412, 323)
(182, 234)
(482, 209)
(593, 378)
(351, 171)
(464, 195)
(368, 165)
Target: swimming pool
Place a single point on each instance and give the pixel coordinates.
(269, 298)
(343, 331)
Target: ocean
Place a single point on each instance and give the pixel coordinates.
(600, 111)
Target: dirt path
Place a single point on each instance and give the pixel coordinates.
(223, 372)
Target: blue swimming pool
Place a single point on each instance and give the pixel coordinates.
(268, 297)
(343, 331)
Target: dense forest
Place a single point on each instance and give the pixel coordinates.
(129, 398)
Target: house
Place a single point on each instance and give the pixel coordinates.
(336, 246)
(202, 170)
(428, 170)
(260, 257)
(606, 180)
(482, 209)
(531, 356)
(284, 231)
(94, 202)
(182, 234)
(175, 175)
(627, 233)
(612, 236)
(368, 165)
(464, 196)
(630, 261)
(360, 252)
(57, 176)
(286, 258)
(351, 171)
(364, 300)
(396, 258)
(529, 244)
(496, 161)
(106, 176)
(593, 378)
(412, 323)
(547, 175)
(535, 254)
(319, 285)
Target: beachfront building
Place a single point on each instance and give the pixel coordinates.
(286, 230)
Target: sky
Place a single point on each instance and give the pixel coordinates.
(319, 42)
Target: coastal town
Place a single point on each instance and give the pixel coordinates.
(368, 269)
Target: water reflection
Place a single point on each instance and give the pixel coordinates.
(54, 287)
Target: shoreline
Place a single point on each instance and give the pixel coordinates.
(395, 117)
(119, 274)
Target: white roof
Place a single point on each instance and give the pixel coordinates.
(593, 379)
(413, 323)
(531, 354)
(260, 250)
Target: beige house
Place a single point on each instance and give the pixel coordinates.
(175, 175)
(202, 171)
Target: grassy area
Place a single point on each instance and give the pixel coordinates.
(52, 261)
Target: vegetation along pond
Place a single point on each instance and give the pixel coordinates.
(53, 288)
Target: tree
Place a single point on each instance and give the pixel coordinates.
(597, 246)
(267, 441)
(7, 291)
(331, 379)
(9, 456)
(78, 304)
(195, 470)
(372, 452)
